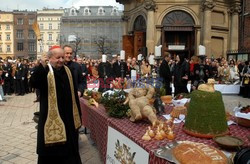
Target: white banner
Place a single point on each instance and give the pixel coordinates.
(176, 47)
(120, 149)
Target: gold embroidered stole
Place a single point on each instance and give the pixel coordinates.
(54, 128)
(76, 116)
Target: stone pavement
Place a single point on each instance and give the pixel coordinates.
(18, 133)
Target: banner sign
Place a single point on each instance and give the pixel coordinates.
(120, 149)
(176, 47)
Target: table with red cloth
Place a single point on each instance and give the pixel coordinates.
(97, 120)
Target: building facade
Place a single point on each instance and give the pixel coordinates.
(181, 26)
(24, 37)
(244, 48)
(6, 35)
(87, 26)
(49, 21)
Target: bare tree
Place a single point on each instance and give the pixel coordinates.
(104, 45)
(75, 41)
(77, 45)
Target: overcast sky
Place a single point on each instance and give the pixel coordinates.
(9, 5)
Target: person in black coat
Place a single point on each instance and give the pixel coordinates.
(19, 76)
(7, 70)
(181, 75)
(26, 72)
(105, 76)
(68, 151)
(117, 68)
(165, 73)
(84, 72)
(77, 70)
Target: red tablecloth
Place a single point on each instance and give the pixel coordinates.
(98, 122)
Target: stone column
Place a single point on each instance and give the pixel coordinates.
(125, 19)
(234, 28)
(150, 6)
(208, 6)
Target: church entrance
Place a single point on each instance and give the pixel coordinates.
(178, 34)
(135, 43)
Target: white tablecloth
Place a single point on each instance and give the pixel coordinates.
(223, 88)
(227, 89)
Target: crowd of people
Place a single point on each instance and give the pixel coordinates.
(59, 81)
(14, 76)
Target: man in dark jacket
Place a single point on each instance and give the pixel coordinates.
(165, 73)
(19, 76)
(117, 68)
(84, 72)
(77, 70)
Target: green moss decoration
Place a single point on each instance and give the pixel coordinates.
(114, 104)
(206, 114)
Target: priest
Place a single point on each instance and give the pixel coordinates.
(59, 119)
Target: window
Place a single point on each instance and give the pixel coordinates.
(31, 46)
(41, 26)
(50, 26)
(58, 37)
(50, 37)
(8, 48)
(7, 27)
(0, 27)
(8, 37)
(58, 26)
(42, 36)
(72, 12)
(19, 21)
(0, 37)
(19, 46)
(87, 11)
(41, 48)
(19, 34)
(1, 49)
(101, 11)
(114, 11)
(31, 34)
(49, 47)
(31, 21)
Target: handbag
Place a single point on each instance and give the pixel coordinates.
(246, 80)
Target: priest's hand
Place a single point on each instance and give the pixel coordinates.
(44, 60)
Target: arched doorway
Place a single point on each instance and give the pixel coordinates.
(178, 33)
(139, 30)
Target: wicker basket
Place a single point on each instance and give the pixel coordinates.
(243, 122)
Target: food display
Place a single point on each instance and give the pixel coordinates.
(229, 142)
(166, 99)
(160, 131)
(187, 152)
(178, 110)
(243, 116)
(245, 109)
(206, 116)
(181, 96)
(138, 100)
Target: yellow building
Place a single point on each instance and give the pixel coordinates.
(6, 35)
(180, 26)
(49, 21)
